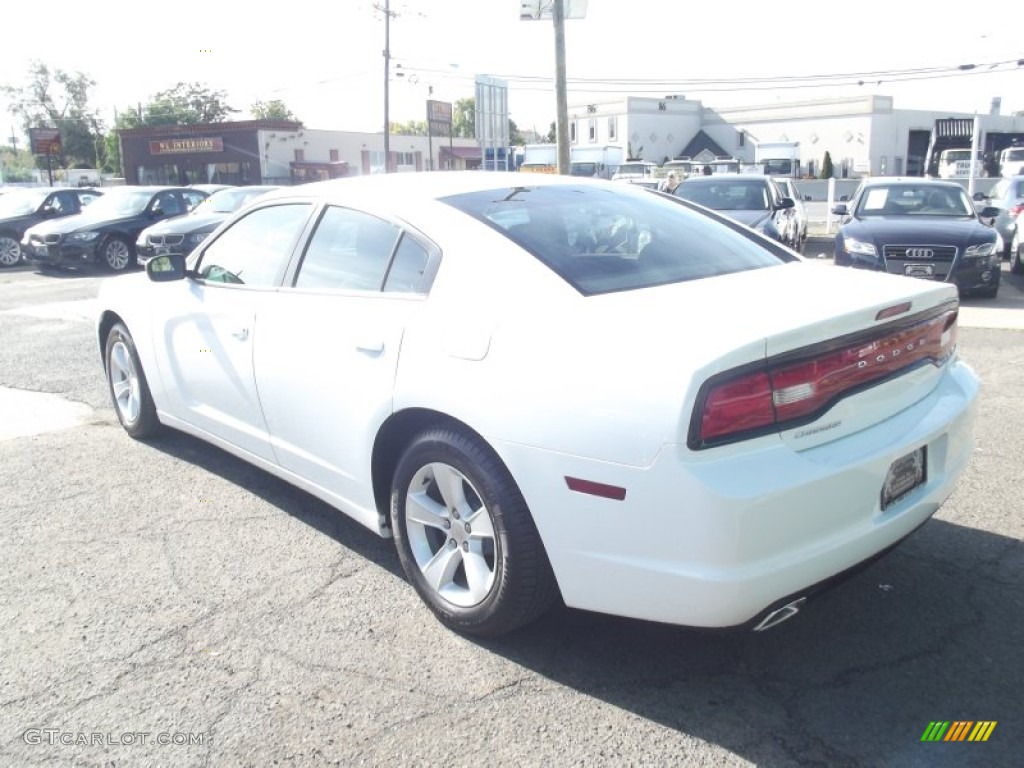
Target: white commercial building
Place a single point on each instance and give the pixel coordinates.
(863, 135)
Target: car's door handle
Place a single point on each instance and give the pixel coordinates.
(241, 333)
(370, 346)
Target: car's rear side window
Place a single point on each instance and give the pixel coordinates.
(349, 250)
(602, 240)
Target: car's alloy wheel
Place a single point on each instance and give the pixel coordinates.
(10, 251)
(128, 387)
(117, 254)
(465, 537)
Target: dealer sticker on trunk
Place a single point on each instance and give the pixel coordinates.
(905, 474)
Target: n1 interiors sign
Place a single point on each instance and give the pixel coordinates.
(182, 146)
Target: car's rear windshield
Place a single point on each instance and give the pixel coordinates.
(602, 240)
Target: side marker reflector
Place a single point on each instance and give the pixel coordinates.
(595, 489)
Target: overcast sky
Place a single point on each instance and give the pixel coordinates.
(324, 59)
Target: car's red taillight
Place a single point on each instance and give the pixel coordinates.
(738, 405)
(786, 393)
(1016, 209)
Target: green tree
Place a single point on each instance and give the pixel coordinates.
(515, 138)
(826, 166)
(272, 110)
(410, 128)
(112, 157)
(184, 104)
(59, 99)
(552, 136)
(16, 165)
(464, 119)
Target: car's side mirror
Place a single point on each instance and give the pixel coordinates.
(979, 196)
(164, 269)
(840, 210)
(786, 202)
(989, 212)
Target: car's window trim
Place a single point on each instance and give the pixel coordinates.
(429, 271)
(196, 257)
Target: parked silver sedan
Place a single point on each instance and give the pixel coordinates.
(790, 189)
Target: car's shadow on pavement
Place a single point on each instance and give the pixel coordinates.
(289, 499)
(64, 272)
(931, 632)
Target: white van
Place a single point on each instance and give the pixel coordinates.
(1011, 162)
(956, 164)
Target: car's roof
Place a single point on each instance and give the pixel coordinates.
(151, 189)
(429, 185)
(726, 177)
(909, 181)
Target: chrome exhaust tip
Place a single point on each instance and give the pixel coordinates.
(779, 615)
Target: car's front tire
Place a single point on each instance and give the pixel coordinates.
(127, 384)
(116, 254)
(465, 536)
(10, 251)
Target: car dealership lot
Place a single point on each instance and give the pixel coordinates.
(170, 589)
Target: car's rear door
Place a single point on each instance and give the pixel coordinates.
(327, 347)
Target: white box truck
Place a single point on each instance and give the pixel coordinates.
(778, 158)
(597, 162)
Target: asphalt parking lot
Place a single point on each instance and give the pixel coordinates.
(164, 603)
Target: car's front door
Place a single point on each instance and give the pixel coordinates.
(327, 348)
(206, 339)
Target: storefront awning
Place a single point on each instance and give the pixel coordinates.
(466, 153)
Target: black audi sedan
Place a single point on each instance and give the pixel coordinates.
(24, 208)
(922, 228)
(182, 234)
(749, 199)
(106, 231)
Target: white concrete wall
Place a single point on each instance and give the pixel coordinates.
(278, 148)
(654, 128)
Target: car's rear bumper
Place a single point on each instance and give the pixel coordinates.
(714, 543)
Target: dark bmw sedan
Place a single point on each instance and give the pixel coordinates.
(749, 199)
(182, 234)
(921, 228)
(106, 231)
(23, 208)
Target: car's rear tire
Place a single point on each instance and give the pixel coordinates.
(1016, 259)
(465, 536)
(127, 384)
(117, 254)
(10, 251)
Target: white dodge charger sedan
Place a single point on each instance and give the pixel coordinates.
(544, 387)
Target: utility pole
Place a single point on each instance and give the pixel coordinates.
(388, 14)
(562, 109)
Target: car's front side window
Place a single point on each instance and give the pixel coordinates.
(192, 199)
(256, 248)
